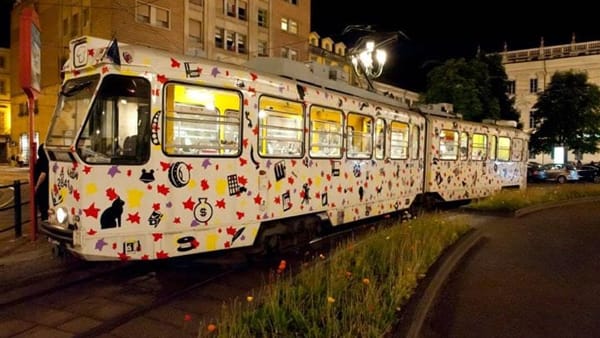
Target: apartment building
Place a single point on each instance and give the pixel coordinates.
(530, 70)
(228, 30)
(5, 139)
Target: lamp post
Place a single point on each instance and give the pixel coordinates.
(368, 56)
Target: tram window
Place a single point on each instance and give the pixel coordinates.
(414, 144)
(517, 150)
(503, 148)
(478, 147)
(380, 129)
(464, 146)
(121, 111)
(202, 121)
(493, 141)
(280, 128)
(399, 140)
(448, 144)
(325, 132)
(359, 140)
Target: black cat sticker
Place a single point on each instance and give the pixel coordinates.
(111, 217)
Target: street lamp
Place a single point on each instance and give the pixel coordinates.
(368, 56)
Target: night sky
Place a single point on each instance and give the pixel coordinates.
(437, 32)
(450, 29)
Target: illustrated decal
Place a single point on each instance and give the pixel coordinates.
(155, 129)
(187, 243)
(279, 169)
(234, 186)
(179, 174)
(203, 211)
(147, 176)
(192, 72)
(111, 217)
(155, 218)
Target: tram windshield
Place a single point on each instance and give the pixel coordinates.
(116, 129)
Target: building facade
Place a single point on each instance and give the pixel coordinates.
(530, 70)
(5, 138)
(228, 30)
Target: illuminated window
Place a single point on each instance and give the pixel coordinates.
(202, 121)
(399, 140)
(284, 24)
(326, 136)
(479, 147)
(517, 150)
(493, 141)
(280, 128)
(464, 146)
(380, 129)
(219, 41)
(448, 144)
(416, 132)
(359, 139)
(503, 148)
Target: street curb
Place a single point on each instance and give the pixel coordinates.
(534, 208)
(447, 265)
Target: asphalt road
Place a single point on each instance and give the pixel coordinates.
(533, 276)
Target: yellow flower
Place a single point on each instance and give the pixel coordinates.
(366, 281)
(321, 256)
(330, 300)
(249, 299)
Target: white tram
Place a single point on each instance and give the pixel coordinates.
(154, 155)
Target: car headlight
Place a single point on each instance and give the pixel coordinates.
(62, 215)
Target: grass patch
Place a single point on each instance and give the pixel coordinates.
(356, 292)
(513, 200)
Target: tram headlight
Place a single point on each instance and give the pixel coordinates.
(62, 215)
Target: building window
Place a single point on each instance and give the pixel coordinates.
(86, 17)
(242, 10)
(289, 53)
(263, 49)
(152, 15)
(230, 38)
(2, 87)
(511, 86)
(65, 26)
(533, 85)
(289, 25)
(230, 8)
(2, 62)
(293, 2)
(197, 2)
(195, 30)
(241, 43)
(219, 33)
(75, 25)
(532, 119)
(262, 17)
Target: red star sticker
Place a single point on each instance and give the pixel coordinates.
(162, 189)
(104, 69)
(231, 231)
(111, 194)
(156, 206)
(161, 78)
(175, 63)
(134, 218)
(189, 204)
(91, 52)
(91, 232)
(76, 195)
(240, 215)
(245, 143)
(255, 130)
(87, 169)
(204, 184)
(258, 199)
(277, 200)
(165, 166)
(123, 257)
(91, 211)
(254, 76)
(243, 162)
(227, 244)
(157, 236)
(162, 254)
(221, 204)
(177, 220)
(291, 180)
(145, 257)
(242, 180)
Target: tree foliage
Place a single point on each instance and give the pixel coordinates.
(568, 114)
(476, 88)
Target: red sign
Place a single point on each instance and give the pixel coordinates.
(30, 52)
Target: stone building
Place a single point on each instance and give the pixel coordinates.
(530, 70)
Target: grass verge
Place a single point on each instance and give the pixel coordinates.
(358, 291)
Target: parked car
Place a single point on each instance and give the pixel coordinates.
(589, 173)
(557, 172)
(532, 168)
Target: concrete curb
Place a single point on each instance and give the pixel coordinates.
(447, 265)
(534, 208)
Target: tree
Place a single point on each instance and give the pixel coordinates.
(476, 88)
(568, 113)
